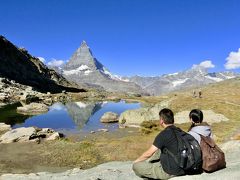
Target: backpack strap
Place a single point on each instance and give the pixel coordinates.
(208, 140)
(165, 150)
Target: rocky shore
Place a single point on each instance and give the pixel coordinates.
(27, 134)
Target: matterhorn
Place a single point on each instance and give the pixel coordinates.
(84, 68)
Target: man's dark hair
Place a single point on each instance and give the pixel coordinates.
(167, 116)
(196, 115)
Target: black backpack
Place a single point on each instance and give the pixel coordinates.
(189, 155)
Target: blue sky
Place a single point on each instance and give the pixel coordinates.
(144, 37)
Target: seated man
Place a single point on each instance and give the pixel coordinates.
(152, 164)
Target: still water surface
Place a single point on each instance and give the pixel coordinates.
(72, 117)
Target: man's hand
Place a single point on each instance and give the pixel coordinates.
(147, 154)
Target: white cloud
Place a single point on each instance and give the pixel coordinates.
(55, 63)
(42, 59)
(207, 64)
(233, 60)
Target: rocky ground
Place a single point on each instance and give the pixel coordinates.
(122, 170)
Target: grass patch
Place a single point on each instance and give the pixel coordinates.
(147, 127)
(63, 153)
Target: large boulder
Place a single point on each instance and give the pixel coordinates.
(137, 116)
(54, 136)
(33, 108)
(30, 134)
(18, 135)
(209, 116)
(5, 127)
(109, 117)
(4, 97)
(134, 117)
(27, 98)
(48, 101)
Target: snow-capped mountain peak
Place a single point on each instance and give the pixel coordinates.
(84, 68)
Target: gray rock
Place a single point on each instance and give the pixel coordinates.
(54, 136)
(109, 117)
(137, 116)
(103, 130)
(33, 108)
(48, 101)
(30, 134)
(209, 116)
(46, 130)
(28, 98)
(18, 135)
(5, 127)
(4, 97)
(134, 117)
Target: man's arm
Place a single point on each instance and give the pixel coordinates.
(147, 154)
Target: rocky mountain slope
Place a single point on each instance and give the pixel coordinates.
(18, 65)
(197, 76)
(83, 68)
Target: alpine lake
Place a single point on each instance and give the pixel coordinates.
(69, 118)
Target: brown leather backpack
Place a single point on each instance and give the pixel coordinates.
(213, 157)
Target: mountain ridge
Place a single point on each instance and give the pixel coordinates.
(197, 76)
(84, 68)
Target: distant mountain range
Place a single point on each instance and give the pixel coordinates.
(18, 65)
(83, 68)
(86, 71)
(197, 76)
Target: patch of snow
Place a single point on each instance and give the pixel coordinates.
(227, 77)
(57, 107)
(71, 72)
(179, 82)
(173, 74)
(82, 68)
(121, 79)
(104, 103)
(114, 77)
(200, 69)
(214, 78)
(81, 104)
(87, 72)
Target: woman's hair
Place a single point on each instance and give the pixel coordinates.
(196, 115)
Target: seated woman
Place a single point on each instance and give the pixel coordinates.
(198, 126)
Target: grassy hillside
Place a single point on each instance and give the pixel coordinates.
(222, 98)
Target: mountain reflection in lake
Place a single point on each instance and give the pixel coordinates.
(77, 116)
